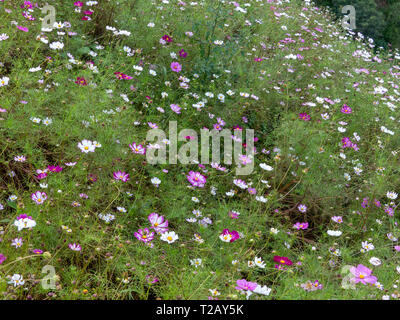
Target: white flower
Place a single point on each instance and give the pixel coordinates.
(367, 246)
(86, 146)
(274, 231)
(56, 45)
(334, 233)
(196, 262)
(261, 199)
(259, 262)
(169, 237)
(266, 167)
(17, 280)
(4, 81)
(155, 181)
(262, 290)
(375, 261)
(392, 195)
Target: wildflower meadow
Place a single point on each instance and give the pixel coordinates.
(196, 150)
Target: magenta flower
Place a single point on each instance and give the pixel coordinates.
(229, 236)
(304, 116)
(119, 175)
(81, 81)
(283, 260)
(39, 197)
(2, 258)
(346, 109)
(24, 29)
(301, 225)
(144, 235)
(176, 67)
(55, 168)
(158, 223)
(167, 38)
(183, 53)
(196, 179)
(243, 284)
(362, 274)
(122, 76)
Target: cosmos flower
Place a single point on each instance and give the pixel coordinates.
(283, 260)
(245, 285)
(75, 246)
(158, 223)
(39, 197)
(176, 67)
(17, 280)
(362, 274)
(196, 179)
(169, 237)
(119, 175)
(137, 148)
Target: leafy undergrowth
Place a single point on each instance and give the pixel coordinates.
(83, 211)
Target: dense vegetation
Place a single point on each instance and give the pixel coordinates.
(317, 218)
(377, 19)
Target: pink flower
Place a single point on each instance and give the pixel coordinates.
(196, 179)
(346, 109)
(24, 29)
(75, 246)
(176, 67)
(301, 225)
(243, 284)
(39, 197)
(144, 235)
(158, 223)
(362, 274)
(304, 116)
(175, 108)
(119, 175)
(137, 148)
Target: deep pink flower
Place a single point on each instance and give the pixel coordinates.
(183, 53)
(283, 260)
(176, 67)
(122, 76)
(81, 81)
(24, 29)
(167, 38)
(119, 175)
(2, 258)
(304, 116)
